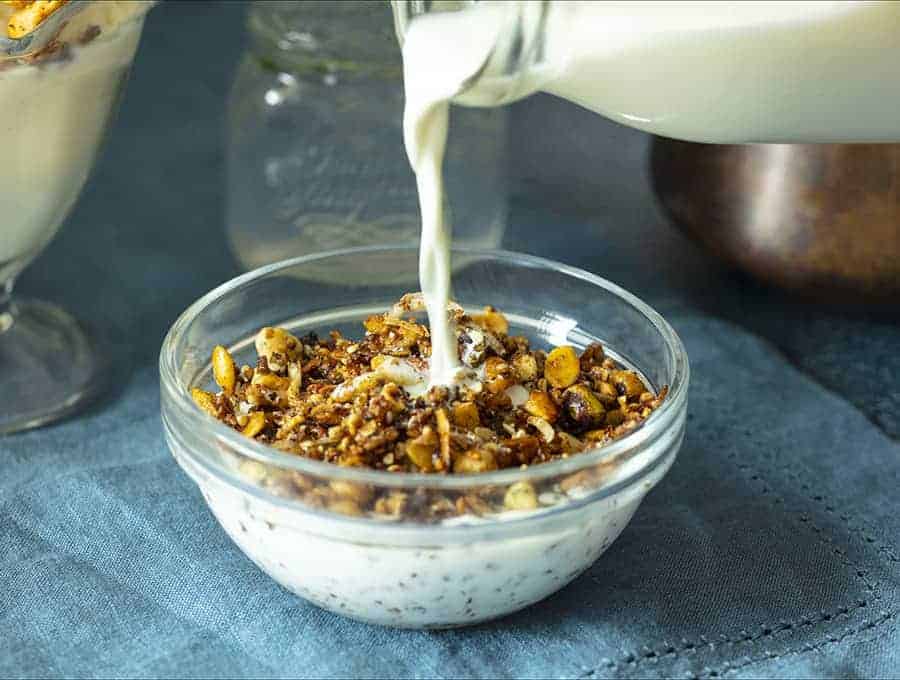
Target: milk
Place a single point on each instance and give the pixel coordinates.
(431, 78)
(727, 72)
(732, 72)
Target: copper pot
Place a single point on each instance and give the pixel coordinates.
(817, 218)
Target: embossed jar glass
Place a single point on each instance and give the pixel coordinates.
(315, 145)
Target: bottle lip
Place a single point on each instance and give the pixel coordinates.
(283, 45)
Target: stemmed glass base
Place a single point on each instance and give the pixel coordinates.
(49, 367)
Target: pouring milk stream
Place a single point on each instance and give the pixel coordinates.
(725, 72)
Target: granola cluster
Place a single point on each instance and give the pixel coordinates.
(365, 403)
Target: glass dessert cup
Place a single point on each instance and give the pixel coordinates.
(399, 569)
(54, 113)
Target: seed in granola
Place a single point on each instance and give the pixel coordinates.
(204, 400)
(223, 369)
(615, 418)
(256, 421)
(628, 384)
(562, 367)
(583, 407)
(540, 404)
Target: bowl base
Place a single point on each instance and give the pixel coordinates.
(49, 367)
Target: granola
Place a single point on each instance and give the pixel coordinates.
(366, 403)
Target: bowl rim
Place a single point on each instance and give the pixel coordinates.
(656, 425)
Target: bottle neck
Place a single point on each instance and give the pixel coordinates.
(516, 65)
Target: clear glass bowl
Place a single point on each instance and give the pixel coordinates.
(396, 570)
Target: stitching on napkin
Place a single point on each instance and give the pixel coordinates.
(672, 652)
(863, 532)
(883, 618)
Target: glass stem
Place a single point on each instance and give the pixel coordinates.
(7, 308)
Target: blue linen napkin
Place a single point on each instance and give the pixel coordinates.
(757, 555)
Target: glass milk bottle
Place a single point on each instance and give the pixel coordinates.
(723, 72)
(315, 146)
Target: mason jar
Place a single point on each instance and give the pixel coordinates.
(315, 155)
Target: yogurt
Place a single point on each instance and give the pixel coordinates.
(53, 114)
(460, 572)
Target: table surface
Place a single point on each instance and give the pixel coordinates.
(772, 547)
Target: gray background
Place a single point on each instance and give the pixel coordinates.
(771, 548)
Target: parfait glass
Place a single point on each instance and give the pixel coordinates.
(55, 109)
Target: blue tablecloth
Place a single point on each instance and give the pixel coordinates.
(771, 548)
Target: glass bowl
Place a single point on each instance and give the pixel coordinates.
(391, 568)
(56, 106)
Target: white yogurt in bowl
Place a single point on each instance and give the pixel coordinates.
(459, 572)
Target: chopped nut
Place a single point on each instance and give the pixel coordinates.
(278, 347)
(465, 415)
(420, 449)
(223, 369)
(517, 394)
(499, 384)
(562, 367)
(475, 460)
(593, 355)
(542, 426)
(473, 346)
(525, 367)
(495, 367)
(540, 404)
(520, 496)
